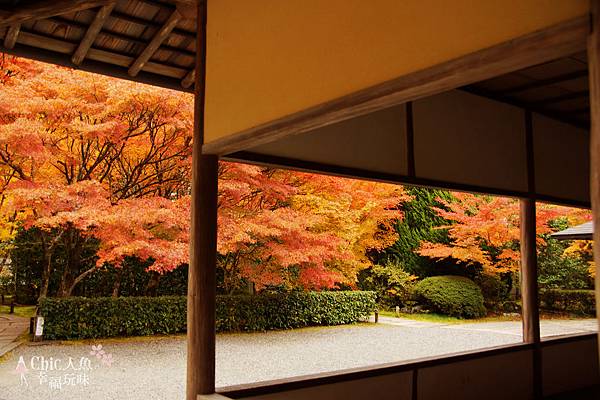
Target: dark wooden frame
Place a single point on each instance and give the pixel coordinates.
(594, 71)
(201, 302)
(347, 172)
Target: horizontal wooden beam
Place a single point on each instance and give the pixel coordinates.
(214, 396)
(541, 46)
(10, 38)
(91, 33)
(377, 176)
(46, 8)
(159, 37)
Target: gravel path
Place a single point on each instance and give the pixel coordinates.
(154, 368)
(11, 327)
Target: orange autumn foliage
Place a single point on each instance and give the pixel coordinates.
(89, 157)
(484, 230)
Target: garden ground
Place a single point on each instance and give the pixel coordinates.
(154, 367)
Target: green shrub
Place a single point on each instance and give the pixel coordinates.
(393, 285)
(560, 270)
(81, 318)
(456, 296)
(580, 302)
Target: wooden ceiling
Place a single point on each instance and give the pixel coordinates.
(151, 41)
(557, 89)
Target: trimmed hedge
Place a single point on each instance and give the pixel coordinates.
(580, 302)
(85, 318)
(456, 296)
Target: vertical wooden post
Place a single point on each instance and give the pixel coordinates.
(529, 290)
(594, 85)
(203, 242)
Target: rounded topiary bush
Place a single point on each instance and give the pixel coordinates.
(456, 296)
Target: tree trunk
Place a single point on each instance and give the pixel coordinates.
(78, 279)
(152, 286)
(73, 249)
(46, 274)
(48, 248)
(251, 289)
(117, 284)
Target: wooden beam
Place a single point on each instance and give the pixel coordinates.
(378, 176)
(594, 85)
(410, 139)
(189, 79)
(201, 336)
(541, 46)
(91, 33)
(529, 290)
(155, 43)
(10, 39)
(546, 82)
(531, 323)
(60, 46)
(144, 23)
(113, 35)
(201, 296)
(46, 8)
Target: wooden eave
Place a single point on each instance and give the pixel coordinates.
(149, 41)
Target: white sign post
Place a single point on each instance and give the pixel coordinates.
(39, 329)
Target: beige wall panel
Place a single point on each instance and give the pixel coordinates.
(463, 138)
(270, 58)
(501, 377)
(570, 366)
(375, 142)
(562, 160)
(386, 387)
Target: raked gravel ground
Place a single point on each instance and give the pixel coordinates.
(154, 368)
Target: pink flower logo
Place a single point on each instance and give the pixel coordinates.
(97, 351)
(103, 356)
(107, 360)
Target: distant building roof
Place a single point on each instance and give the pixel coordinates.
(580, 232)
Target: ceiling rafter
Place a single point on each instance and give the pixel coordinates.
(545, 82)
(188, 81)
(91, 33)
(45, 9)
(155, 43)
(113, 35)
(10, 39)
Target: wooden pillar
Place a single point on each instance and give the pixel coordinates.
(594, 86)
(203, 243)
(529, 287)
(529, 291)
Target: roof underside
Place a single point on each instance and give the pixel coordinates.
(151, 41)
(584, 231)
(558, 89)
